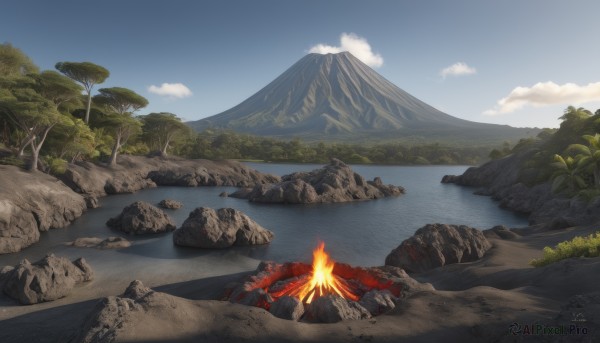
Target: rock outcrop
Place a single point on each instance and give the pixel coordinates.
(142, 218)
(225, 227)
(436, 245)
(509, 182)
(170, 204)
(31, 203)
(137, 172)
(336, 182)
(48, 279)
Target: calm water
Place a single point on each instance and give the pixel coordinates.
(360, 233)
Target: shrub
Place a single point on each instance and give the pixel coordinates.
(577, 247)
(13, 161)
(56, 166)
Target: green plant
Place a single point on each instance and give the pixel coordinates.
(12, 161)
(577, 247)
(56, 166)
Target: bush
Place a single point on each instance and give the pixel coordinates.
(577, 247)
(56, 166)
(12, 161)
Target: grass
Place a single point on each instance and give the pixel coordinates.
(577, 247)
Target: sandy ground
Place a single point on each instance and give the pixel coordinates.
(473, 302)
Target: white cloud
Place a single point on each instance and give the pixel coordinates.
(457, 69)
(357, 46)
(545, 94)
(171, 90)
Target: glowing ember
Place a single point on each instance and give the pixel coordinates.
(322, 281)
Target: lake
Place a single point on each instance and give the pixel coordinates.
(358, 233)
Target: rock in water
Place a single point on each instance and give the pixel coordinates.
(48, 279)
(170, 204)
(335, 182)
(207, 228)
(141, 218)
(436, 245)
(333, 308)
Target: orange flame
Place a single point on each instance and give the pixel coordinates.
(322, 280)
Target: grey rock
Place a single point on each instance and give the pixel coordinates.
(48, 279)
(225, 227)
(333, 308)
(378, 302)
(335, 182)
(436, 245)
(170, 204)
(95, 242)
(286, 307)
(31, 203)
(142, 218)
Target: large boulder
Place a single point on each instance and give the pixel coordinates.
(48, 279)
(335, 182)
(436, 245)
(207, 228)
(141, 218)
(31, 203)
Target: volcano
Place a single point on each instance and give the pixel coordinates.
(336, 95)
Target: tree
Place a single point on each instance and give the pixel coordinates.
(31, 113)
(566, 175)
(13, 62)
(86, 73)
(161, 129)
(589, 156)
(120, 104)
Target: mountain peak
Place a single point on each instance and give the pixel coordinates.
(332, 94)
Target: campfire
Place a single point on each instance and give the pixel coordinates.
(325, 291)
(321, 282)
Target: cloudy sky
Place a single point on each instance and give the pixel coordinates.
(509, 62)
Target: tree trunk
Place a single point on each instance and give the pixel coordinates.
(24, 145)
(113, 156)
(163, 151)
(87, 110)
(35, 149)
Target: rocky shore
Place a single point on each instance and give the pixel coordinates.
(31, 203)
(507, 181)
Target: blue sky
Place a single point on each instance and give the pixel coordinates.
(538, 55)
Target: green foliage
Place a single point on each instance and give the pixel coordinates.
(56, 166)
(12, 161)
(13, 62)
(163, 130)
(577, 247)
(86, 73)
(120, 100)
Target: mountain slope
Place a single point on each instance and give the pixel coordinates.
(337, 95)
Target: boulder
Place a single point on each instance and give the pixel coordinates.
(335, 182)
(286, 307)
(436, 245)
(378, 301)
(333, 308)
(225, 227)
(141, 218)
(48, 279)
(170, 204)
